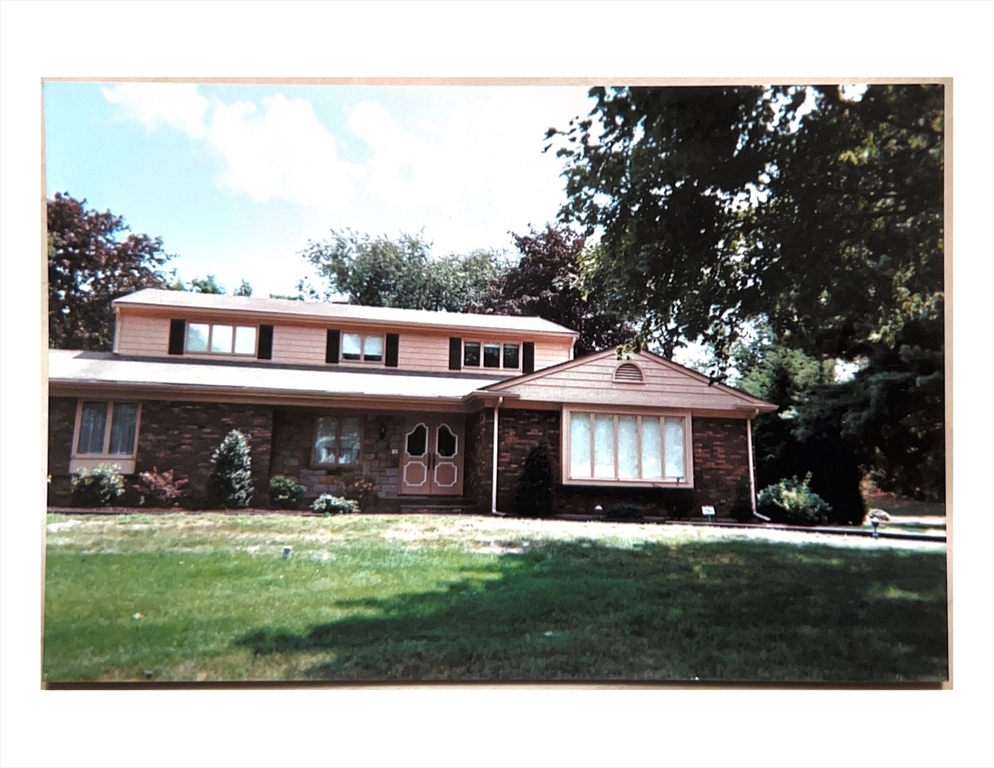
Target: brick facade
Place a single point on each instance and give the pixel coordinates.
(720, 459)
(379, 457)
(183, 436)
(61, 423)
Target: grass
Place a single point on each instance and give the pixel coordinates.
(204, 598)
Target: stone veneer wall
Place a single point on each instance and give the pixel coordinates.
(479, 450)
(379, 458)
(720, 459)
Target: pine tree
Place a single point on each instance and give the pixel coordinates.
(536, 496)
(230, 483)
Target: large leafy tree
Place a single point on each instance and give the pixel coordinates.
(546, 283)
(93, 258)
(818, 209)
(380, 272)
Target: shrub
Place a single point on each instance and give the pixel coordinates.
(791, 501)
(334, 505)
(624, 511)
(97, 487)
(230, 483)
(285, 492)
(742, 507)
(359, 489)
(536, 494)
(680, 504)
(161, 489)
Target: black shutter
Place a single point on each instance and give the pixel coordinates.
(177, 336)
(393, 349)
(331, 346)
(265, 342)
(528, 357)
(455, 353)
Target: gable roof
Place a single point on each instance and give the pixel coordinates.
(590, 380)
(164, 300)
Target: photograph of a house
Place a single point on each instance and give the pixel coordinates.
(654, 393)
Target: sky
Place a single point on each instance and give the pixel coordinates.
(236, 179)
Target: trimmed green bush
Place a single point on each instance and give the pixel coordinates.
(792, 502)
(624, 511)
(230, 483)
(536, 493)
(285, 492)
(742, 507)
(97, 487)
(334, 505)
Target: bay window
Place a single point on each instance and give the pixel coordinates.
(636, 448)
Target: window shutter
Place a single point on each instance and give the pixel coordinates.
(177, 336)
(455, 353)
(265, 342)
(393, 350)
(331, 346)
(528, 357)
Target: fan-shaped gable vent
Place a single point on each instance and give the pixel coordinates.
(629, 373)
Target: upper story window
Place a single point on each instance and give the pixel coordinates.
(478, 354)
(364, 347)
(221, 339)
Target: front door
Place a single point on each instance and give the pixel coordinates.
(432, 455)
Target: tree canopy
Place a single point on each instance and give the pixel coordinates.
(546, 283)
(818, 209)
(93, 258)
(380, 272)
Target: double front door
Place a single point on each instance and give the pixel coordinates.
(432, 455)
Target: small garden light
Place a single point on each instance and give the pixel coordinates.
(286, 552)
(876, 524)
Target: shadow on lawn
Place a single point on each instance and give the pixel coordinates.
(711, 611)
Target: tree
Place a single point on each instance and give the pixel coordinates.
(229, 485)
(207, 284)
(536, 494)
(380, 272)
(817, 209)
(244, 289)
(92, 260)
(546, 283)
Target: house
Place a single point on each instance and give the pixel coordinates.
(433, 407)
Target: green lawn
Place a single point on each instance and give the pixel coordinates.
(465, 598)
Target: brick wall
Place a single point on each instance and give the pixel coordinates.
(293, 435)
(61, 423)
(720, 459)
(183, 436)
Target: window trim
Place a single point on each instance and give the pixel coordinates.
(362, 348)
(491, 343)
(210, 335)
(126, 461)
(315, 464)
(688, 443)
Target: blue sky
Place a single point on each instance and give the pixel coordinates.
(237, 178)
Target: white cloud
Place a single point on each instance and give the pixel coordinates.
(278, 151)
(177, 105)
(281, 151)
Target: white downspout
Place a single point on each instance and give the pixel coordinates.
(752, 464)
(493, 480)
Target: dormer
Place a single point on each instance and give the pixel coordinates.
(210, 328)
